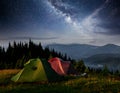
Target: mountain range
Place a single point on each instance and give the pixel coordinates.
(112, 61)
(93, 56)
(79, 51)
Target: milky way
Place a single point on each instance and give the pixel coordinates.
(65, 21)
(104, 13)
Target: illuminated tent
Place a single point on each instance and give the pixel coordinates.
(61, 67)
(36, 70)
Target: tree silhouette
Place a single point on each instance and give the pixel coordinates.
(18, 53)
(105, 71)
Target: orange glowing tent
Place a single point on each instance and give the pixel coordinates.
(61, 67)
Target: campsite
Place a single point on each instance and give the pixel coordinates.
(93, 84)
(59, 46)
(51, 73)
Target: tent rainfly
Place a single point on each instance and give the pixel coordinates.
(61, 67)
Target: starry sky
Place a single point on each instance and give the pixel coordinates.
(95, 22)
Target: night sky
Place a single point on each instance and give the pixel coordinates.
(95, 22)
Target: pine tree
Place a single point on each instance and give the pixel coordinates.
(105, 71)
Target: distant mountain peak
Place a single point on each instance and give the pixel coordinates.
(111, 45)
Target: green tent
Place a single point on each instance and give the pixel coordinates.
(36, 70)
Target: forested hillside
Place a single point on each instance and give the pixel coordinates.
(18, 53)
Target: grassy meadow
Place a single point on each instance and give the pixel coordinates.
(93, 84)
